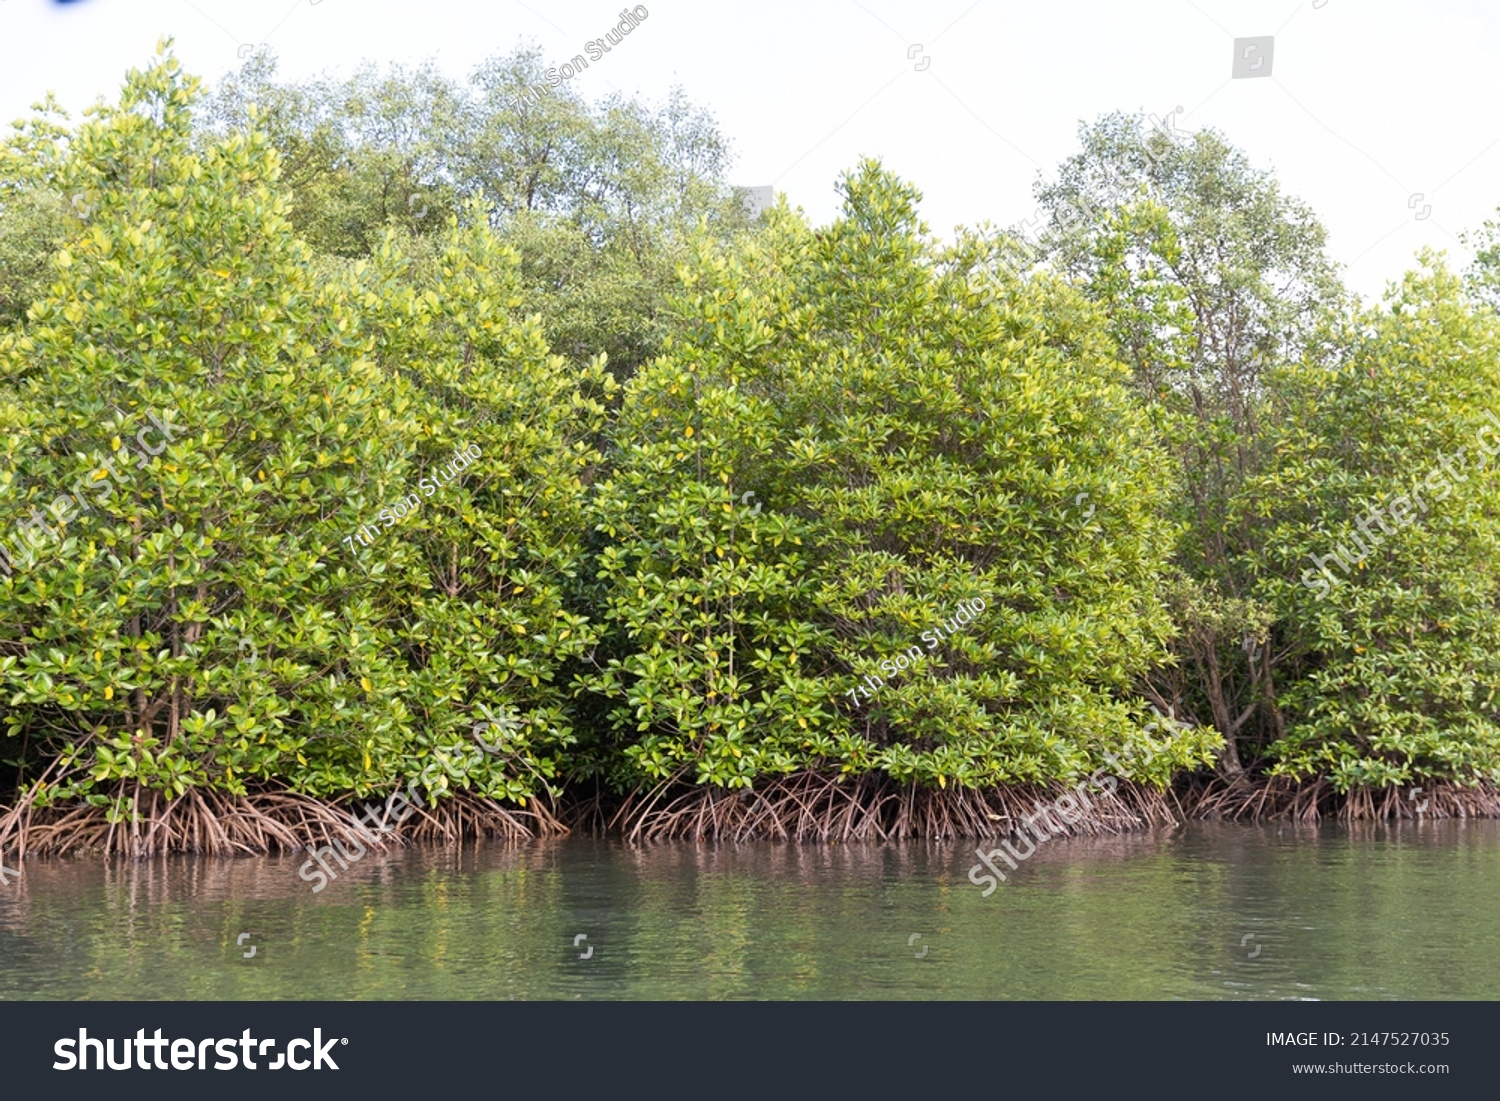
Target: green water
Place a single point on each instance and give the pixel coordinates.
(1400, 911)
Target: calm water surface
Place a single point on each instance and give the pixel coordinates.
(1204, 911)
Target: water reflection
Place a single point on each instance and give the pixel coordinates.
(1377, 910)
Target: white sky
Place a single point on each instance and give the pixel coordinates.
(1369, 101)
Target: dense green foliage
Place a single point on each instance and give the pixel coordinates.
(1291, 410)
(1211, 278)
(185, 292)
(1391, 665)
(917, 432)
(738, 502)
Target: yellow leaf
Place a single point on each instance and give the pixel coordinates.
(114, 444)
(689, 432)
(942, 781)
(109, 692)
(368, 687)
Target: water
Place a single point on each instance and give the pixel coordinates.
(1405, 911)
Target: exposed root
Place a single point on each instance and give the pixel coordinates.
(809, 806)
(144, 823)
(464, 814)
(586, 813)
(1310, 802)
(805, 806)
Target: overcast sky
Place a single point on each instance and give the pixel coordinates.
(1368, 105)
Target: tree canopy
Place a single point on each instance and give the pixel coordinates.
(479, 412)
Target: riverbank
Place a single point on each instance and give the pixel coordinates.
(804, 807)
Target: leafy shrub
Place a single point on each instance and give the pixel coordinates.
(918, 430)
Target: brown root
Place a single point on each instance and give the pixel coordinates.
(143, 823)
(586, 812)
(146, 823)
(1309, 802)
(463, 814)
(809, 806)
(804, 806)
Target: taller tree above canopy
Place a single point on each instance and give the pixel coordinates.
(1211, 277)
(599, 199)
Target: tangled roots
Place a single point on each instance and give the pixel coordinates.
(144, 823)
(808, 806)
(1308, 802)
(464, 814)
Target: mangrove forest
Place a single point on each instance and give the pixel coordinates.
(391, 437)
